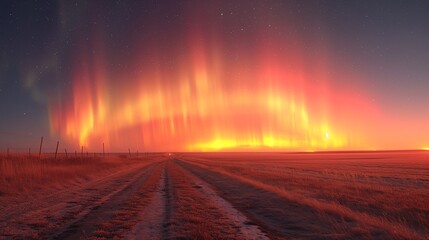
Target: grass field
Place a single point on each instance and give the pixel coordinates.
(331, 195)
(388, 190)
(22, 174)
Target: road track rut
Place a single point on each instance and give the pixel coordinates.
(168, 199)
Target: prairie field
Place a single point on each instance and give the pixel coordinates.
(385, 192)
(324, 195)
(21, 174)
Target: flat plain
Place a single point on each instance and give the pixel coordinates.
(323, 195)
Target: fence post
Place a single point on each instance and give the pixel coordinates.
(56, 150)
(40, 149)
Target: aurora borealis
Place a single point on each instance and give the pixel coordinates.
(216, 75)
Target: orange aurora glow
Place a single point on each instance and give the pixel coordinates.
(205, 101)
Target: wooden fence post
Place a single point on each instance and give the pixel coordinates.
(56, 150)
(40, 149)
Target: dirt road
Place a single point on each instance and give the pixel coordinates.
(173, 197)
(157, 200)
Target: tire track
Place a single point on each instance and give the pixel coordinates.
(277, 216)
(87, 221)
(247, 229)
(20, 208)
(153, 220)
(43, 216)
(199, 213)
(169, 205)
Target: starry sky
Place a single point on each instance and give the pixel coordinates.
(214, 75)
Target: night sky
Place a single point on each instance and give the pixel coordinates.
(214, 75)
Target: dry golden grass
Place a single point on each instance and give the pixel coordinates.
(20, 173)
(389, 191)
